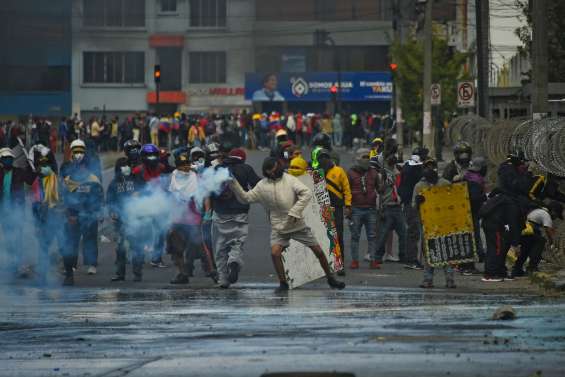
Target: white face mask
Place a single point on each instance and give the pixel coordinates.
(45, 170)
(199, 164)
(125, 170)
(77, 157)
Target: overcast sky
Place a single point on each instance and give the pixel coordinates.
(503, 21)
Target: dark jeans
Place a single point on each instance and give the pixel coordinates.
(132, 245)
(411, 218)
(86, 228)
(393, 219)
(360, 217)
(49, 228)
(497, 248)
(530, 247)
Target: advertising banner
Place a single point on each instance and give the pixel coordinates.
(315, 86)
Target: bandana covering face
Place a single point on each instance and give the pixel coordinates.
(183, 185)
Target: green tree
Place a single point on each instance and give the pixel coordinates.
(555, 27)
(447, 69)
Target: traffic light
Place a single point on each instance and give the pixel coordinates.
(333, 89)
(393, 67)
(157, 73)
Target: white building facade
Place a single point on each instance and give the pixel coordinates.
(202, 46)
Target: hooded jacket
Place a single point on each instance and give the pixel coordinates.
(363, 198)
(283, 198)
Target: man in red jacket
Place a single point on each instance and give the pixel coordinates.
(363, 183)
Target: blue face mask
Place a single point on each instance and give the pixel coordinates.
(45, 170)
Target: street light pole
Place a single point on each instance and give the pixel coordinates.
(428, 135)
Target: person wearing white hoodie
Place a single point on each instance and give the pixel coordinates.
(285, 198)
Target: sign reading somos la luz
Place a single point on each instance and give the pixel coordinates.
(315, 86)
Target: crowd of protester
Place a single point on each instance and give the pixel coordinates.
(192, 171)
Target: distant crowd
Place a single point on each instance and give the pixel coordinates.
(253, 131)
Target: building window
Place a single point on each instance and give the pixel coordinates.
(114, 13)
(208, 13)
(113, 67)
(168, 6)
(207, 67)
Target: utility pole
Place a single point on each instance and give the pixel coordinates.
(397, 112)
(428, 135)
(539, 59)
(483, 32)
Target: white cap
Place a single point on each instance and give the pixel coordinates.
(7, 152)
(78, 144)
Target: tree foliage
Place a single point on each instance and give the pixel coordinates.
(555, 26)
(447, 69)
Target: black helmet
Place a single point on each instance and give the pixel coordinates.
(323, 140)
(212, 151)
(132, 149)
(462, 147)
(196, 153)
(182, 158)
(422, 152)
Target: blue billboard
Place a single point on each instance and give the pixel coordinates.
(315, 86)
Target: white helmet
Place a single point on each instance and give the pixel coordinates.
(78, 144)
(7, 152)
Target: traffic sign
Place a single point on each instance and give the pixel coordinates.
(436, 94)
(466, 94)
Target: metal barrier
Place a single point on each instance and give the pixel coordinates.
(541, 141)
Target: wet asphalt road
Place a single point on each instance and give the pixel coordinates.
(381, 325)
(250, 331)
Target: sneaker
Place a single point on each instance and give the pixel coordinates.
(336, 284)
(450, 285)
(233, 272)
(224, 285)
(508, 277)
(470, 272)
(159, 264)
(375, 265)
(390, 258)
(367, 257)
(341, 272)
(69, 280)
(118, 278)
(491, 279)
(354, 265)
(91, 270)
(414, 266)
(180, 279)
(426, 285)
(282, 288)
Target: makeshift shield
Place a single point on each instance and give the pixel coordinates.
(300, 264)
(447, 225)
